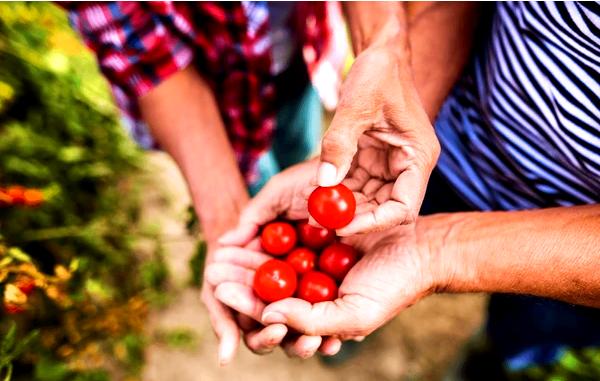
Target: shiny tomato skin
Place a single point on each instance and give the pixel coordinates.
(274, 280)
(302, 259)
(332, 207)
(313, 237)
(278, 238)
(337, 259)
(316, 287)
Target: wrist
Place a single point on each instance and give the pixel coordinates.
(377, 25)
(438, 238)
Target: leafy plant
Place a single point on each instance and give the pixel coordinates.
(69, 267)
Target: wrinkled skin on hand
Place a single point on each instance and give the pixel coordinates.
(394, 272)
(382, 140)
(392, 275)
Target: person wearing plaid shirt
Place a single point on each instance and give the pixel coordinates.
(225, 89)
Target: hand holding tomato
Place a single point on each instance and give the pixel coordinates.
(380, 143)
(232, 274)
(393, 274)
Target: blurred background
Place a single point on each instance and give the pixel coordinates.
(100, 258)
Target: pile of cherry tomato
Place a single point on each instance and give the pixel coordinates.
(311, 262)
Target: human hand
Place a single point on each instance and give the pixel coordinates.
(231, 275)
(381, 141)
(393, 274)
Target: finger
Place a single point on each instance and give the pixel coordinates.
(303, 347)
(241, 298)
(246, 323)
(224, 326)
(263, 208)
(338, 147)
(330, 346)
(254, 245)
(401, 208)
(240, 235)
(351, 315)
(240, 257)
(357, 180)
(264, 340)
(314, 223)
(385, 216)
(220, 272)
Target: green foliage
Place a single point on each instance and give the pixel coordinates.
(182, 338)
(574, 365)
(10, 349)
(60, 132)
(196, 264)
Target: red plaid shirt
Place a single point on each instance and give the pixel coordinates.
(139, 44)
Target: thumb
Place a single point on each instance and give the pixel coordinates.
(352, 315)
(338, 148)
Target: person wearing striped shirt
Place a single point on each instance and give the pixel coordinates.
(519, 170)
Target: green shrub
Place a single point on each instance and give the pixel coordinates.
(60, 133)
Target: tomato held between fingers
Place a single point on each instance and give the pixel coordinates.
(332, 207)
(278, 238)
(315, 287)
(337, 259)
(313, 237)
(302, 259)
(274, 280)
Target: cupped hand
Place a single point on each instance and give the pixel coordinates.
(381, 140)
(221, 317)
(393, 274)
(231, 274)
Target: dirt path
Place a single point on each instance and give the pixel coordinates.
(417, 345)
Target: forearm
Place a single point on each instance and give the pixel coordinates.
(377, 25)
(433, 38)
(441, 36)
(183, 117)
(551, 253)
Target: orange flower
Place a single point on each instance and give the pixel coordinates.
(33, 197)
(17, 194)
(5, 198)
(25, 283)
(13, 309)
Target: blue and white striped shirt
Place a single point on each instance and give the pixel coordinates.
(522, 128)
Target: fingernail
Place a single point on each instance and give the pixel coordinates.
(327, 175)
(273, 318)
(224, 355)
(223, 361)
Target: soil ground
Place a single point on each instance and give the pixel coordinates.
(417, 345)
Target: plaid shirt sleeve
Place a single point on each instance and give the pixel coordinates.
(135, 51)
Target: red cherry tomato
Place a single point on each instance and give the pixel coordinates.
(317, 287)
(302, 259)
(337, 259)
(274, 280)
(315, 238)
(333, 207)
(278, 238)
